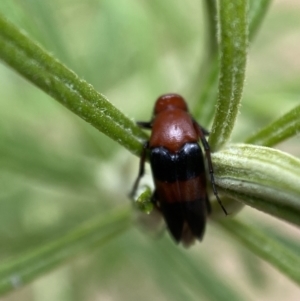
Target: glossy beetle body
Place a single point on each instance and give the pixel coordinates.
(178, 170)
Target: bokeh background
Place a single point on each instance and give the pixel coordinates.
(56, 171)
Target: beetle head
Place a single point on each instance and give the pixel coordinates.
(169, 102)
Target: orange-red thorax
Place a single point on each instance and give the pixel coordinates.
(172, 128)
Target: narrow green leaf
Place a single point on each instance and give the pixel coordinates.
(272, 251)
(20, 271)
(283, 128)
(261, 177)
(39, 67)
(233, 53)
(205, 107)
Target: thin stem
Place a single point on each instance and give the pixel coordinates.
(39, 67)
(286, 126)
(22, 270)
(205, 106)
(272, 251)
(233, 53)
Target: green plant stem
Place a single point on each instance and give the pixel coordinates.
(272, 251)
(204, 109)
(261, 177)
(39, 67)
(17, 272)
(286, 126)
(233, 53)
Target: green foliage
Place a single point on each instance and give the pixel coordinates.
(63, 185)
(233, 23)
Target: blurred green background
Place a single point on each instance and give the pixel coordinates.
(56, 171)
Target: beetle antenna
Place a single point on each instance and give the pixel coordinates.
(145, 124)
(210, 166)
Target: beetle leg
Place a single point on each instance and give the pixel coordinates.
(141, 170)
(206, 147)
(145, 124)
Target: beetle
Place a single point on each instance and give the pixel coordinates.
(178, 169)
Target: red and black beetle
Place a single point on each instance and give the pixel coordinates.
(178, 168)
